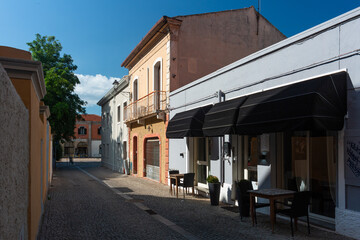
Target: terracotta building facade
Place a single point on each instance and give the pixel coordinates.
(87, 141)
(175, 52)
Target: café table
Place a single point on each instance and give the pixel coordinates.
(271, 194)
(177, 178)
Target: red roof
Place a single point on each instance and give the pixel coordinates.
(91, 117)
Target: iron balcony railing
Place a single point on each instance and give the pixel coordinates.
(147, 105)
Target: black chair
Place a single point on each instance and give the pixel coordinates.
(188, 182)
(291, 185)
(299, 208)
(173, 181)
(243, 198)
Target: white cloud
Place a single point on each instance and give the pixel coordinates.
(93, 88)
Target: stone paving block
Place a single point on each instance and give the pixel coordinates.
(81, 208)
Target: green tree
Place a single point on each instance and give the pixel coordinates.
(60, 81)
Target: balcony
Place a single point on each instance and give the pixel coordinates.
(151, 104)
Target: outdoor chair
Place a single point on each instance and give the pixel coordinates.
(173, 181)
(243, 198)
(291, 185)
(188, 182)
(299, 208)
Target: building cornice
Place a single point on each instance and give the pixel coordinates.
(45, 110)
(124, 82)
(158, 31)
(26, 69)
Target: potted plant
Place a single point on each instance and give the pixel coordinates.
(214, 189)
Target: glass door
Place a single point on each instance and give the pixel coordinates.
(251, 158)
(201, 161)
(309, 164)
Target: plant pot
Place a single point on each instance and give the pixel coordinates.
(214, 189)
(243, 202)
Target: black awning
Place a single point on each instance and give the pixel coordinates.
(316, 104)
(221, 118)
(188, 123)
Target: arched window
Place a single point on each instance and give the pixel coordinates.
(82, 130)
(135, 90)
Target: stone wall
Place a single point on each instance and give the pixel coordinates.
(14, 160)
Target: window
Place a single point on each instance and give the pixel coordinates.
(124, 107)
(157, 84)
(82, 131)
(118, 113)
(135, 90)
(99, 130)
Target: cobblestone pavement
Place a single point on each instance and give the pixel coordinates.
(92, 202)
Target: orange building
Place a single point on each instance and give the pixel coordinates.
(87, 141)
(27, 78)
(177, 51)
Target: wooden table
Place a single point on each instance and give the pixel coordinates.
(177, 178)
(271, 194)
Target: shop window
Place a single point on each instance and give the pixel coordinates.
(309, 164)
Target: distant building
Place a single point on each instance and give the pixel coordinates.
(87, 141)
(114, 135)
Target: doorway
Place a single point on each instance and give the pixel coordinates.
(135, 155)
(152, 159)
(157, 85)
(201, 160)
(310, 161)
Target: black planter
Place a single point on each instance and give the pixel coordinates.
(214, 189)
(243, 201)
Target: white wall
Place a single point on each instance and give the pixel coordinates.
(114, 132)
(328, 47)
(95, 148)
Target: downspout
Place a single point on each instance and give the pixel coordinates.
(114, 130)
(221, 96)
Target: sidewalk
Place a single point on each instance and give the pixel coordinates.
(194, 215)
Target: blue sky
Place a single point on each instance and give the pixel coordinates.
(99, 35)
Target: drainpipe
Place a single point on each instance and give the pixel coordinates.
(221, 96)
(112, 132)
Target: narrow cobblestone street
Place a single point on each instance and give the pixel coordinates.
(87, 201)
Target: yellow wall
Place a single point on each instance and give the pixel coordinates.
(37, 126)
(140, 69)
(154, 129)
(153, 126)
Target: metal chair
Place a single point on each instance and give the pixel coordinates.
(243, 198)
(188, 182)
(299, 208)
